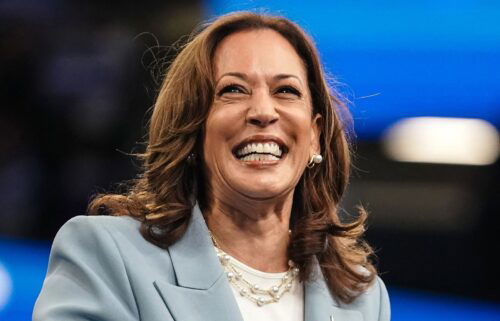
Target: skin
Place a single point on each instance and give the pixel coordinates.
(262, 93)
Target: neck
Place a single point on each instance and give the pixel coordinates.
(255, 233)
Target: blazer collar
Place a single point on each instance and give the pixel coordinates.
(193, 256)
(202, 291)
(201, 285)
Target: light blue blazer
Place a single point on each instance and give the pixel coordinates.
(102, 269)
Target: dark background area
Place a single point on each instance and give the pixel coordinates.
(76, 82)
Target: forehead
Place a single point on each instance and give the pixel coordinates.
(257, 52)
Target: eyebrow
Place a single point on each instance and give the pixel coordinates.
(245, 77)
(285, 76)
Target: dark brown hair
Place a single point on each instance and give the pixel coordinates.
(163, 196)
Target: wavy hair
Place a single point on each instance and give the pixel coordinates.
(162, 197)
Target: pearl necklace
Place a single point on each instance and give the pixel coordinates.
(251, 291)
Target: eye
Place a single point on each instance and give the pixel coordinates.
(289, 90)
(231, 89)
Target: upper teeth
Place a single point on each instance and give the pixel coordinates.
(261, 148)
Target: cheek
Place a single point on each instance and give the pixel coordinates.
(211, 140)
(220, 126)
(300, 128)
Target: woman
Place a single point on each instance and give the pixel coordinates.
(235, 215)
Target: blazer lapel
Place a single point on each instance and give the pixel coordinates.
(320, 306)
(214, 304)
(202, 291)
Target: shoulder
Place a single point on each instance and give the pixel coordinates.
(115, 237)
(91, 229)
(92, 241)
(373, 303)
(97, 266)
(99, 224)
(99, 233)
(86, 268)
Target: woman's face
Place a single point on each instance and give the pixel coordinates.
(260, 131)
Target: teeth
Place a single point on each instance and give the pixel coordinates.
(267, 148)
(259, 157)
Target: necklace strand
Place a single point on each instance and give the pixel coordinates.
(252, 291)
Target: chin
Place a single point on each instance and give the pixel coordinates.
(263, 189)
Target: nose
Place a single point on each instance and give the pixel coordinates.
(262, 111)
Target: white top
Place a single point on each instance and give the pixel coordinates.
(290, 307)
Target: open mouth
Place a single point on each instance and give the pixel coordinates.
(262, 151)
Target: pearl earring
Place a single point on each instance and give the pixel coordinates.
(315, 159)
(191, 159)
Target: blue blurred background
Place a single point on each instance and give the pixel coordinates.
(78, 77)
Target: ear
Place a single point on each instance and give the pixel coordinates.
(316, 134)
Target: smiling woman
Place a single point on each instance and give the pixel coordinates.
(262, 103)
(235, 215)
